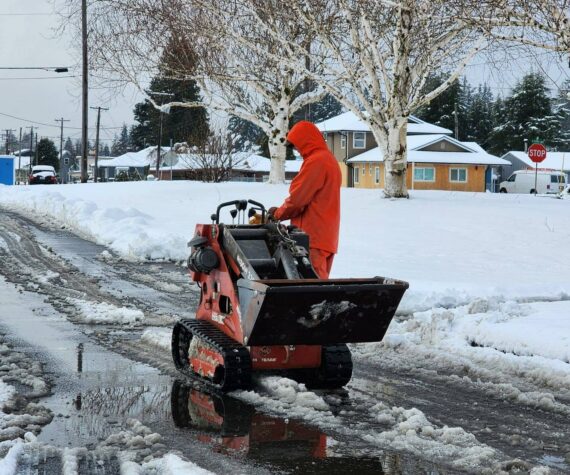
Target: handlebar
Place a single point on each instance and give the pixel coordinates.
(241, 205)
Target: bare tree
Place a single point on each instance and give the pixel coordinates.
(215, 42)
(374, 56)
(542, 24)
(214, 159)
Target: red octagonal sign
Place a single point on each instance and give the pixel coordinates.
(537, 152)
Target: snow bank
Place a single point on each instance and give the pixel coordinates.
(9, 463)
(91, 312)
(450, 246)
(159, 337)
(171, 464)
(406, 430)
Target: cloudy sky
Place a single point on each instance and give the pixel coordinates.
(28, 38)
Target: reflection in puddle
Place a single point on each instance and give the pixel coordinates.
(232, 427)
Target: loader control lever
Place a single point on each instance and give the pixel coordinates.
(240, 205)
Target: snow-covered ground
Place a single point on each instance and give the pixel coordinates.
(454, 248)
(489, 281)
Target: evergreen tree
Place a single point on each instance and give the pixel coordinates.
(181, 124)
(441, 110)
(562, 107)
(318, 111)
(47, 153)
(69, 147)
(106, 152)
(122, 143)
(527, 114)
(248, 137)
(480, 115)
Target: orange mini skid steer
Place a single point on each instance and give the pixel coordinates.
(263, 308)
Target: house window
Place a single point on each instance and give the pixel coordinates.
(356, 175)
(377, 175)
(424, 174)
(359, 140)
(370, 165)
(458, 175)
(342, 141)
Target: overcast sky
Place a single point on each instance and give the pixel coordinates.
(28, 39)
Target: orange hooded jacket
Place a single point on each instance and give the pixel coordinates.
(313, 203)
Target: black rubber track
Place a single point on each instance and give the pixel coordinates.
(236, 372)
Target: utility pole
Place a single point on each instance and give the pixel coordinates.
(62, 120)
(163, 94)
(85, 97)
(37, 156)
(20, 155)
(96, 170)
(31, 146)
(456, 118)
(8, 132)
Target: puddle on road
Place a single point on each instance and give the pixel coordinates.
(96, 392)
(232, 427)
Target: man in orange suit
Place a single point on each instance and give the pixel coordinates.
(313, 203)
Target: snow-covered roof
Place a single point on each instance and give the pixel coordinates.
(470, 156)
(138, 159)
(257, 163)
(244, 161)
(348, 121)
(553, 160)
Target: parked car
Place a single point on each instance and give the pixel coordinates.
(42, 175)
(523, 181)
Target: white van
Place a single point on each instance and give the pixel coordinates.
(522, 181)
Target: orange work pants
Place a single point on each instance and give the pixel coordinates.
(322, 262)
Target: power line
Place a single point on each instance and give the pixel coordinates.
(27, 14)
(42, 77)
(51, 125)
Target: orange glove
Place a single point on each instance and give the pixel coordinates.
(255, 219)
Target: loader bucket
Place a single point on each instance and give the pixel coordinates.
(317, 312)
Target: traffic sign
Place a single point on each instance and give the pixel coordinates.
(537, 152)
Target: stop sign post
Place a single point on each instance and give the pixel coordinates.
(537, 153)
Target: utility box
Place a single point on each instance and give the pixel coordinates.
(7, 171)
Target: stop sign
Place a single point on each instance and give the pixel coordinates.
(537, 152)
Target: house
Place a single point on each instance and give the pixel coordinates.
(130, 164)
(554, 161)
(436, 161)
(252, 167)
(245, 167)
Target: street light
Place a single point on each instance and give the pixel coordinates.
(163, 94)
(57, 69)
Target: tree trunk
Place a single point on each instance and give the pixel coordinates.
(277, 149)
(278, 153)
(395, 159)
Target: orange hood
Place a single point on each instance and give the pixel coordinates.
(306, 138)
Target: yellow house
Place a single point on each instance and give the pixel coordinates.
(436, 161)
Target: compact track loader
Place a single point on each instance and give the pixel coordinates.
(263, 308)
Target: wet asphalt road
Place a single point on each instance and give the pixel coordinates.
(103, 379)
